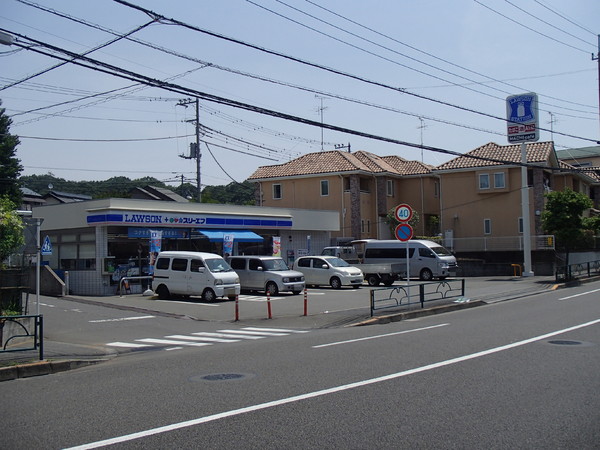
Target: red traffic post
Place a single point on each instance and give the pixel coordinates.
(269, 305)
(305, 302)
(237, 308)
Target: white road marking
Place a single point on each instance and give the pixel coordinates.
(228, 335)
(198, 338)
(127, 345)
(579, 295)
(172, 342)
(379, 336)
(254, 333)
(323, 392)
(277, 330)
(120, 319)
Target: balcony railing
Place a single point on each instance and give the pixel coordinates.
(496, 244)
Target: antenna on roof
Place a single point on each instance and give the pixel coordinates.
(421, 127)
(320, 110)
(338, 146)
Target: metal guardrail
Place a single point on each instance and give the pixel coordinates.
(407, 295)
(14, 334)
(577, 271)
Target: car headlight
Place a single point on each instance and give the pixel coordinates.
(286, 280)
(218, 282)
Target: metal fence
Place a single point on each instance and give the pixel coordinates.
(490, 244)
(413, 295)
(577, 271)
(22, 333)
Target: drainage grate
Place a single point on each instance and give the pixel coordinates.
(560, 342)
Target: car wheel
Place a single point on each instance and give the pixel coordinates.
(271, 288)
(296, 292)
(209, 295)
(335, 283)
(373, 280)
(163, 292)
(426, 275)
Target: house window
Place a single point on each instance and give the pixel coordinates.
(364, 185)
(365, 226)
(277, 194)
(487, 226)
(324, 188)
(436, 189)
(499, 180)
(484, 181)
(520, 225)
(390, 188)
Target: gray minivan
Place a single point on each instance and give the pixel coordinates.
(266, 273)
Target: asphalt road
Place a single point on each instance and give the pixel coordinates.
(513, 374)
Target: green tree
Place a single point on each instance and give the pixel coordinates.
(10, 166)
(562, 217)
(11, 228)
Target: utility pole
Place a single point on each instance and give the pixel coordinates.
(597, 58)
(422, 126)
(320, 110)
(551, 122)
(195, 152)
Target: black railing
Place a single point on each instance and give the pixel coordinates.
(22, 333)
(411, 295)
(577, 271)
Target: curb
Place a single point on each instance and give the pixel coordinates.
(419, 313)
(44, 368)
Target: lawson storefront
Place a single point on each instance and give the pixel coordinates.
(99, 241)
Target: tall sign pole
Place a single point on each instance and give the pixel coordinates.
(523, 126)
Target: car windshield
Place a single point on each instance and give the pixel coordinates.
(442, 251)
(217, 265)
(274, 264)
(337, 262)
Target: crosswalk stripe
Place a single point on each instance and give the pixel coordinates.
(172, 342)
(127, 344)
(199, 338)
(254, 333)
(276, 330)
(227, 335)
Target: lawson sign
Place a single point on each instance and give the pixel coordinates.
(130, 218)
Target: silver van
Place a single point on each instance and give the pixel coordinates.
(266, 273)
(427, 259)
(328, 270)
(194, 273)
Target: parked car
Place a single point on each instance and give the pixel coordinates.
(328, 270)
(427, 259)
(194, 273)
(266, 273)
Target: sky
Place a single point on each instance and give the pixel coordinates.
(432, 72)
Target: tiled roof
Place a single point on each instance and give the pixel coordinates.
(338, 162)
(537, 152)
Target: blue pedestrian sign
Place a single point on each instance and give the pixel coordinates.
(522, 119)
(46, 246)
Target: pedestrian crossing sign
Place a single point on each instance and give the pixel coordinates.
(46, 246)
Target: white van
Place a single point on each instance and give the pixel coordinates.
(427, 259)
(266, 273)
(194, 273)
(322, 270)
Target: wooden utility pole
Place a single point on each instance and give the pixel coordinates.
(195, 152)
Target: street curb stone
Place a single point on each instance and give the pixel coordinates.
(44, 368)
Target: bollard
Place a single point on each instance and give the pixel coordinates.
(269, 305)
(237, 308)
(305, 302)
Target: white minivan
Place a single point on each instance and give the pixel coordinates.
(427, 259)
(266, 273)
(194, 273)
(322, 270)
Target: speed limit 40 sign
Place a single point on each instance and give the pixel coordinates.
(403, 212)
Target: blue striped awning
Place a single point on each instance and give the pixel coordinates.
(238, 235)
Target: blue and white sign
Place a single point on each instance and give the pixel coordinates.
(46, 246)
(522, 118)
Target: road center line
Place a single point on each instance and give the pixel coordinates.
(332, 390)
(121, 319)
(579, 295)
(379, 336)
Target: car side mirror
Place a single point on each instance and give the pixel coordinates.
(324, 266)
(259, 268)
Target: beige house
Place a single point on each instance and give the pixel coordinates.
(482, 198)
(362, 186)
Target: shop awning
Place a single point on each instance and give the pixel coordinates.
(238, 235)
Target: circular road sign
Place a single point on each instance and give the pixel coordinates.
(403, 232)
(403, 212)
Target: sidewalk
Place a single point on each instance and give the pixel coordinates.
(64, 356)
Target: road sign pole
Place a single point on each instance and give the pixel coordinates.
(527, 272)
